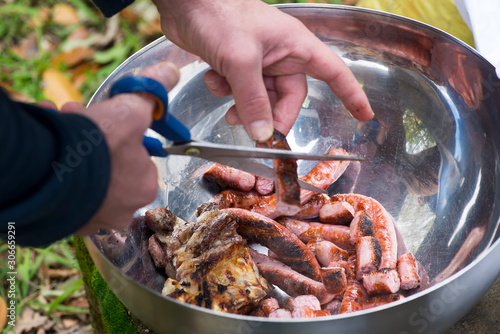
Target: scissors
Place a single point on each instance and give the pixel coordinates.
(239, 157)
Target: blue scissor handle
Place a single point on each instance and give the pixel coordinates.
(163, 123)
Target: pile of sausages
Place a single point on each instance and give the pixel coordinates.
(338, 254)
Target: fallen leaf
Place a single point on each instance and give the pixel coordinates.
(58, 88)
(3, 312)
(28, 48)
(73, 57)
(65, 15)
(80, 302)
(29, 320)
(81, 73)
(61, 273)
(69, 322)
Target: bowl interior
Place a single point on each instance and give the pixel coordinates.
(431, 151)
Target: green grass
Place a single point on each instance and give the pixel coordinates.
(31, 285)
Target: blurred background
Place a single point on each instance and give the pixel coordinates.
(63, 51)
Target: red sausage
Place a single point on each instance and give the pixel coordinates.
(288, 280)
(263, 186)
(322, 175)
(309, 301)
(382, 281)
(382, 300)
(269, 305)
(281, 313)
(368, 254)
(408, 271)
(354, 297)
(327, 252)
(383, 225)
(265, 231)
(337, 213)
(311, 208)
(229, 198)
(334, 279)
(226, 176)
(361, 226)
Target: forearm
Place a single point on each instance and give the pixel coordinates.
(54, 172)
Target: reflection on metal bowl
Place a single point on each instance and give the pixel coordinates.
(431, 159)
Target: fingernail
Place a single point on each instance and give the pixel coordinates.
(260, 130)
(211, 81)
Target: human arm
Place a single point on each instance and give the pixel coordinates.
(77, 171)
(261, 56)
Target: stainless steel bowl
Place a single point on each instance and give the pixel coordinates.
(432, 161)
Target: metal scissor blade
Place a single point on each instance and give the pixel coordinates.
(211, 151)
(240, 162)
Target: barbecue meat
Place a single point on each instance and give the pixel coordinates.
(213, 266)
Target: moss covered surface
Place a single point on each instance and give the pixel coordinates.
(107, 312)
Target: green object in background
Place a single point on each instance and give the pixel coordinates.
(441, 14)
(107, 312)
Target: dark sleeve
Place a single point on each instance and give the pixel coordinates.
(54, 172)
(111, 7)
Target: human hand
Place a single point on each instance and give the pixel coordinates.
(123, 120)
(261, 56)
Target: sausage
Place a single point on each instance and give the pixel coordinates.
(321, 175)
(288, 280)
(269, 305)
(327, 252)
(157, 252)
(229, 198)
(334, 279)
(337, 213)
(311, 208)
(229, 177)
(338, 234)
(361, 226)
(263, 186)
(350, 269)
(368, 253)
(408, 271)
(324, 173)
(383, 225)
(349, 306)
(333, 306)
(295, 303)
(354, 297)
(384, 281)
(281, 313)
(306, 312)
(287, 187)
(382, 300)
(265, 231)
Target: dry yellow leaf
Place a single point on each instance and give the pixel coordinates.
(65, 15)
(58, 88)
(73, 57)
(3, 312)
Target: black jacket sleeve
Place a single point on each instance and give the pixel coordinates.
(111, 7)
(54, 172)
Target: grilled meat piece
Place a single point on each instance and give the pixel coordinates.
(212, 265)
(287, 181)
